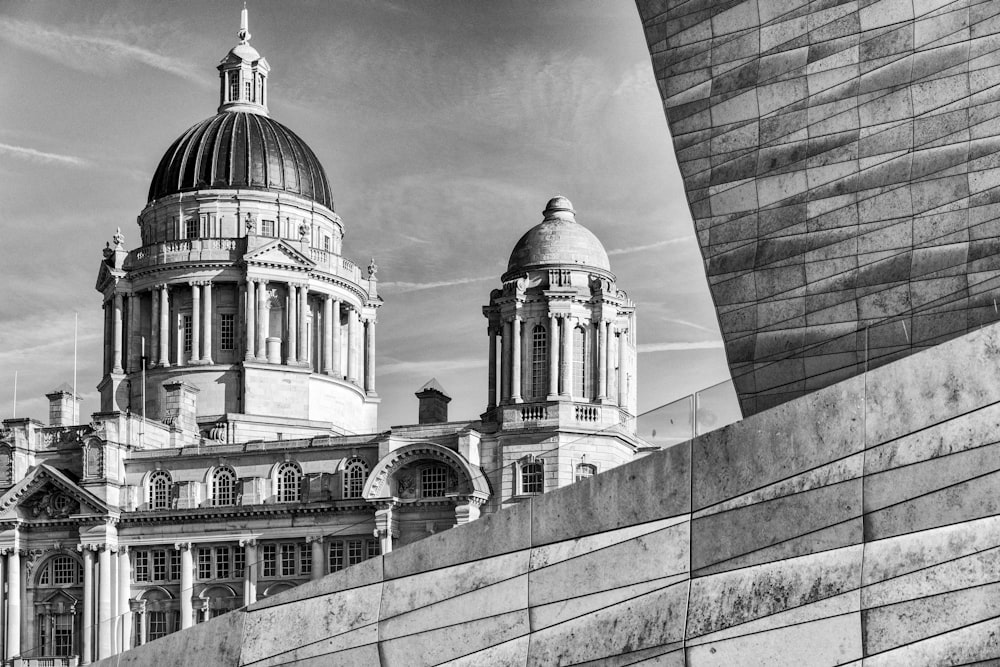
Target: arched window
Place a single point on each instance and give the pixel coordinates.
(61, 571)
(584, 470)
(579, 363)
(355, 473)
(159, 490)
(289, 482)
(532, 478)
(434, 481)
(223, 487)
(539, 362)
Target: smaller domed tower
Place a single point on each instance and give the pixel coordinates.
(563, 391)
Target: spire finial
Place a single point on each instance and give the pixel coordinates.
(244, 33)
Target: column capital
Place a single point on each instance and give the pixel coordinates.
(315, 538)
(86, 547)
(182, 546)
(248, 542)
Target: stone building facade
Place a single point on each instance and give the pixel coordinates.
(236, 453)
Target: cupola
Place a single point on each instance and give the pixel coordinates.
(243, 75)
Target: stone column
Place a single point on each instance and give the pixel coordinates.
(164, 325)
(338, 345)
(505, 363)
(319, 563)
(207, 320)
(251, 320)
(13, 603)
(622, 389)
(105, 619)
(566, 359)
(195, 322)
(187, 585)
(609, 371)
(352, 344)
(87, 642)
(491, 387)
(370, 356)
(250, 574)
(553, 358)
(327, 368)
(154, 327)
(132, 345)
(124, 588)
(303, 330)
(292, 340)
(466, 511)
(515, 367)
(139, 609)
(386, 525)
(602, 360)
(263, 320)
(116, 336)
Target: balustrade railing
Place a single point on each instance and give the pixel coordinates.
(533, 413)
(586, 413)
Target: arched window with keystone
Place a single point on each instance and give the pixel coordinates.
(355, 474)
(158, 489)
(289, 478)
(223, 487)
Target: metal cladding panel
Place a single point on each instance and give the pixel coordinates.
(840, 164)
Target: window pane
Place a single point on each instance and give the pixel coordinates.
(579, 363)
(355, 552)
(227, 331)
(239, 563)
(433, 481)
(270, 558)
(159, 565)
(288, 560)
(305, 559)
(532, 479)
(539, 363)
(223, 559)
(204, 563)
(336, 561)
(140, 566)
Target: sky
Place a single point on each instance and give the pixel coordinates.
(444, 128)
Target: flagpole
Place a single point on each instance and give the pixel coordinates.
(14, 413)
(75, 414)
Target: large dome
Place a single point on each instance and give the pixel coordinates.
(559, 240)
(238, 149)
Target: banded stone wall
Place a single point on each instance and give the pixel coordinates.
(859, 522)
(841, 165)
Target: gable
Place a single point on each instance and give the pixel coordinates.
(46, 494)
(279, 254)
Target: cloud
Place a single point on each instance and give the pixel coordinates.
(652, 246)
(399, 287)
(693, 325)
(680, 347)
(92, 54)
(43, 157)
(432, 366)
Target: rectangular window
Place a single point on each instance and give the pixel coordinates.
(305, 559)
(270, 558)
(326, 243)
(249, 91)
(539, 362)
(223, 561)
(64, 571)
(355, 552)
(191, 228)
(373, 548)
(157, 625)
(267, 227)
(288, 560)
(159, 565)
(186, 326)
(175, 565)
(227, 331)
(336, 561)
(239, 563)
(433, 481)
(204, 563)
(63, 634)
(141, 566)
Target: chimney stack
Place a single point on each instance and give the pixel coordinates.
(64, 408)
(433, 403)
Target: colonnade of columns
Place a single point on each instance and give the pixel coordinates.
(331, 344)
(516, 346)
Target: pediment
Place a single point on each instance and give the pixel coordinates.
(46, 494)
(281, 254)
(106, 276)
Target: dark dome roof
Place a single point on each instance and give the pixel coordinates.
(237, 149)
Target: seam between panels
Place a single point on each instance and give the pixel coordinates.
(378, 615)
(527, 582)
(864, 537)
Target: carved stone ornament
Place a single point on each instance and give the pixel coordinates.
(372, 269)
(53, 504)
(406, 486)
(251, 224)
(272, 300)
(520, 285)
(303, 231)
(119, 239)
